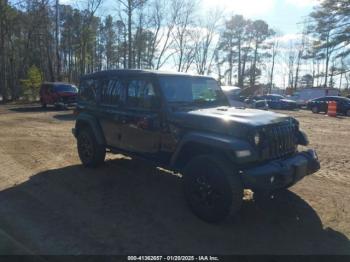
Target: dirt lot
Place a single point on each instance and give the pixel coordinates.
(50, 204)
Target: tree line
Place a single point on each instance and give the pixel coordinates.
(323, 48)
(62, 42)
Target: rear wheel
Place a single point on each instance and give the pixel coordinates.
(90, 152)
(347, 112)
(211, 188)
(315, 109)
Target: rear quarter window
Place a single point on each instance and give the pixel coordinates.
(87, 90)
(112, 92)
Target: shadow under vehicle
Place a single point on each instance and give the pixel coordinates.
(129, 206)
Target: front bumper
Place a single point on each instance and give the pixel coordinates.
(279, 174)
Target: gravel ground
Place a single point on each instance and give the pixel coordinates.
(50, 204)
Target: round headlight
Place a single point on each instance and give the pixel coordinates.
(257, 139)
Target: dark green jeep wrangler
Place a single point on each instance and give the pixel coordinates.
(184, 123)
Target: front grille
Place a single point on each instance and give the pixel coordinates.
(279, 141)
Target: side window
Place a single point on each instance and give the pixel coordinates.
(87, 90)
(140, 94)
(112, 92)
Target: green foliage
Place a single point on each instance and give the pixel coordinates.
(33, 81)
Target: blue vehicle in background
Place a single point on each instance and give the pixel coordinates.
(279, 102)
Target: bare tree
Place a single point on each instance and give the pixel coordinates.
(183, 35)
(205, 41)
(129, 8)
(274, 53)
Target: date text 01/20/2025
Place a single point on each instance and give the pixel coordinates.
(173, 258)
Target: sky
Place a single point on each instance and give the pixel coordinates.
(284, 16)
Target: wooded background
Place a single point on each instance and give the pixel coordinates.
(42, 39)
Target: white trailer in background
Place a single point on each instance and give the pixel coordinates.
(302, 96)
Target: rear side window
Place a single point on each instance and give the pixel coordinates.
(87, 90)
(140, 94)
(112, 92)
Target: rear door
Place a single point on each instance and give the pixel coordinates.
(110, 110)
(141, 118)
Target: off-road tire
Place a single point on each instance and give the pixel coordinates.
(90, 152)
(315, 110)
(225, 185)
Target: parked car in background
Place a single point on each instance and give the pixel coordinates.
(233, 95)
(302, 96)
(321, 104)
(279, 102)
(257, 103)
(60, 95)
(235, 98)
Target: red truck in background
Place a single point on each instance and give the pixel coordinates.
(60, 95)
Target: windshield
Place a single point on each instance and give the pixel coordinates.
(66, 88)
(192, 91)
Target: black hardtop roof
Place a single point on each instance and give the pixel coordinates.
(125, 72)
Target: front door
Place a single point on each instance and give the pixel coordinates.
(141, 120)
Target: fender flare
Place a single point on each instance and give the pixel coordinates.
(224, 143)
(85, 119)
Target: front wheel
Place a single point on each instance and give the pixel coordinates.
(211, 188)
(347, 113)
(90, 152)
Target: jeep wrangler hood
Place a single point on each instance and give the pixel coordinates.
(221, 119)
